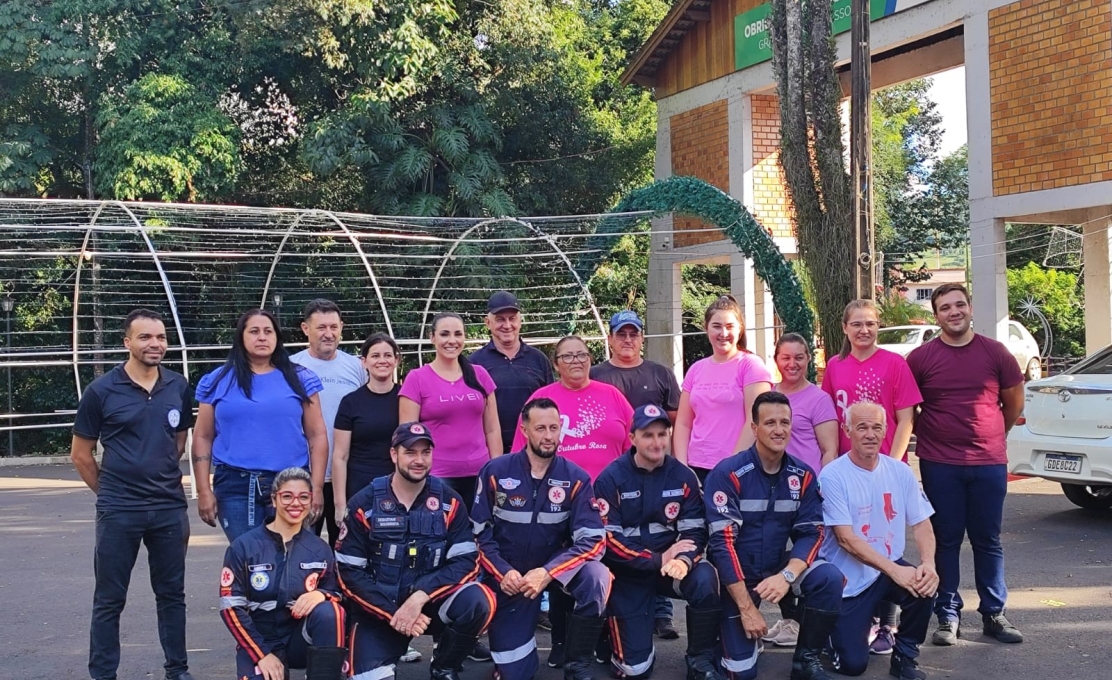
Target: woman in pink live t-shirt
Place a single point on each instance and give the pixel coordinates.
(596, 416)
(455, 400)
(718, 392)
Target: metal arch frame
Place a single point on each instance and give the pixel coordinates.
(544, 236)
(354, 243)
(278, 256)
(77, 296)
(170, 299)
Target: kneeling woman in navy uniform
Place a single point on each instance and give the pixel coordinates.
(278, 592)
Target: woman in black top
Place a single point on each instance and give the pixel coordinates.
(365, 422)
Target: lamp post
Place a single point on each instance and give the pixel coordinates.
(8, 303)
(277, 300)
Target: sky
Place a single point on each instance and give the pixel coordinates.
(948, 91)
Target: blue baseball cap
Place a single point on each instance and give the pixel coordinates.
(648, 414)
(409, 434)
(626, 317)
(501, 301)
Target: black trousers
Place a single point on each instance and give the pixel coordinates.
(328, 515)
(118, 535)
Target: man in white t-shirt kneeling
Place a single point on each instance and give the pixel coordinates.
(869, 500)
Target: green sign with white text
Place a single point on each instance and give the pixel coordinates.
(753, 43)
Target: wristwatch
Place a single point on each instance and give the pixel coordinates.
(788, 576)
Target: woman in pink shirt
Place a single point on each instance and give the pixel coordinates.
(596, 416)
(865, 372)
(814, 441)
(455, 399)
(718, 392)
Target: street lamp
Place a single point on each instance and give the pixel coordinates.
(8, 303)
(277, 300)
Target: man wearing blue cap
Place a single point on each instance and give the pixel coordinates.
(517, 369)
(656, 532)
(642, 382)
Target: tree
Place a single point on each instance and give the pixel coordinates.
(1060, 297)
(812, 154)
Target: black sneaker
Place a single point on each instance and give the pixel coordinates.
(998, 627)
(947, 634)
(480, 652)
(665, 629)
(543, 622)
(905, 669)
(556, 656)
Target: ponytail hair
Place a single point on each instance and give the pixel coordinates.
(852, 307)
(727, 303)
(470, 377)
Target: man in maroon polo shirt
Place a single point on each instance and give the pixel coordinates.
(972, 394)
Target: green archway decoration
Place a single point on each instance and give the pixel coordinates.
(696, 198)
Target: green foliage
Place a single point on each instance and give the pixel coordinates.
(896, 310)
(1060, 297)
(162, 140)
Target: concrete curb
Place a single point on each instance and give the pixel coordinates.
(13, 461)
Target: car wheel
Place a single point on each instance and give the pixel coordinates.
(1034, 369)
(1089, 497)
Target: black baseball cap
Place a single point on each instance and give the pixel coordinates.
(647, 414)
(409, 434)
(501, 301)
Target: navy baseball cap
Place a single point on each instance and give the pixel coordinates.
(648, 414)
(501, 301)
(409, 434)
(626, 317)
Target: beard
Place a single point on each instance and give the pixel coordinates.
(541, 452)
(409, 477)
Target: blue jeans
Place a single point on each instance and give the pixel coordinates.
(118, 535)
(242, 499)
(850, 638)
(967, 499)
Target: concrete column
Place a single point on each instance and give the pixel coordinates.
(1097, 254)
(664, 285)
(986, 230)
(766, 335)
(743, 287)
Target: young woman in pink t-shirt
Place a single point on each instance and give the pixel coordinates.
(718, 392)
(455, 399)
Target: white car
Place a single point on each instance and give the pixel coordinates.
(1065, 432)
(1020, 342)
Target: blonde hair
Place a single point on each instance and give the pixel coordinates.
(852, 307)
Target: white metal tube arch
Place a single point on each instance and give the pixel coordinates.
(455, 244)
(77, 296)
(277, 256)
(170, 299)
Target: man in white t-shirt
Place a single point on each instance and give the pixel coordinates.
(340, 373)
(869, 500)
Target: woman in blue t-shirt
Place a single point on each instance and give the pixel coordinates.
(259, 414)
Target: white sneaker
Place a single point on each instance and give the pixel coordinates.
(411, 655)
(787, 635)
(774, 631)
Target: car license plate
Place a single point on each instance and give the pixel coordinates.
(1062, 463)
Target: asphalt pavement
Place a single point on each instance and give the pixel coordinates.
(1059, 564)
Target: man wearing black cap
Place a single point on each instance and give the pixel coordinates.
(642, 382)
(405, 554)
(655, 534)
(517, 369)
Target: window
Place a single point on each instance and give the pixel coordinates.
(1014, 333)
(928, 334)
(923, 294)
(1097, 364)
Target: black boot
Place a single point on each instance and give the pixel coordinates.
(324, 663)
(447, 658)
(579, 646)
(703, 626)
(814, 631)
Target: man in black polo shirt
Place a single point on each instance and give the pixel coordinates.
(517, 369)
(140, 412)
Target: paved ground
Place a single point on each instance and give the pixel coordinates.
(1059, 566)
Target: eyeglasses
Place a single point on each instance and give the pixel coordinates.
(288, 497)
(577, 358)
